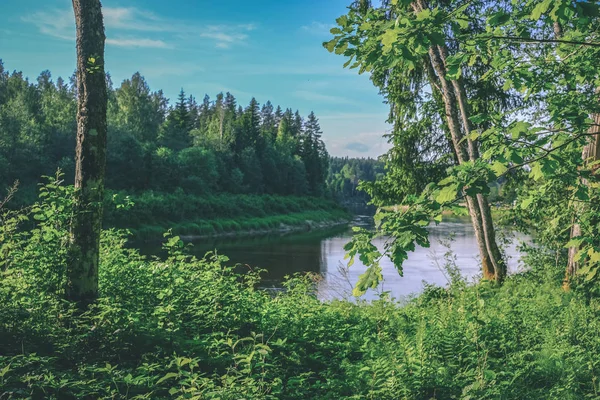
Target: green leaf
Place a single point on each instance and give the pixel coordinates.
(424, 14)
(447, 194)
(369, 280)
(499, 168)
(447, 180)
(526, 203)
(336, 31)
(167, 376)
(330, 46)
(575, 242)
(498, 18)
(540, 9)
(342, 21)
(342, 48)
(536, 171)
(388, 39)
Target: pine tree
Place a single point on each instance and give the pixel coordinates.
(297, 124)
(175, 134)
(314, 155)
(248, 130)
(278, 116)
(194, 112)
(268, 128)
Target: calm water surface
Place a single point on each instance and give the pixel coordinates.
(323, 252)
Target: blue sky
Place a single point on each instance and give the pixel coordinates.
(269, 49)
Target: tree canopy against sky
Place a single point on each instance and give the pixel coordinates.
(210, 50)
(210, 147)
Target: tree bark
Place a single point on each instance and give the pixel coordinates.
(489, 232)
(456, 103)
(590, 153)
(90, 159)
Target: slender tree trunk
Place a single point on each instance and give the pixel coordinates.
(489, 232)
(90, 159)
(456, 103)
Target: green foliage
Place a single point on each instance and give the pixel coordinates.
(206, 148)
(531, 91)
(151, 213)
(192, 328)
(347, 174)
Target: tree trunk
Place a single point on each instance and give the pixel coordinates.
(90, 159)
(489, 232)
(590, 153)
(455, 103)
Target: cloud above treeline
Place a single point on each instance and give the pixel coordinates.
(131, 27)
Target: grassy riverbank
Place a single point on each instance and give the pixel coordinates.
(151, 214)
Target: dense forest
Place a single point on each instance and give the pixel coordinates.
(215, 146)
(488, 100)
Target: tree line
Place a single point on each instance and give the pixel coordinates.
(346, 174)
(209, 147)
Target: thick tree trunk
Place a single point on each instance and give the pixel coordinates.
(90, 156)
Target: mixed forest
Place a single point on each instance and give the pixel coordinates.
(495, 108)
(216, 146)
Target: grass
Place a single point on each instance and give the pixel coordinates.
(243, 226)
(154, 213)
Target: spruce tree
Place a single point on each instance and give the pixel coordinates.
(175, 134)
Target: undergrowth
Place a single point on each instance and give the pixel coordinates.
(189, 328)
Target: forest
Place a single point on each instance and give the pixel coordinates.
(495, 116)
(216, 146)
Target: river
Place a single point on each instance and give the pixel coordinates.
(323, 252)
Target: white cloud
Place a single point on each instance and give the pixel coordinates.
(158, 31)
(361, 144)
(56, 23)
(225, 36)
(357, 116)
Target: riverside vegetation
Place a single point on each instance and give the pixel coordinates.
(480, 93)
(194, 328)
(224, 160)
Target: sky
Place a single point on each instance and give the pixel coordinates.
(267, 49)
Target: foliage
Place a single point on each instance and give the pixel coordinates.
(191, 328)
(346, 174)
(531, 87)
(152, 213)
(205, 149)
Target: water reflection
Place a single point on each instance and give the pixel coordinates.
(423, 265)
(323, 252)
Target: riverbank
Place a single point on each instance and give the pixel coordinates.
(151, 214)
(275, 224)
